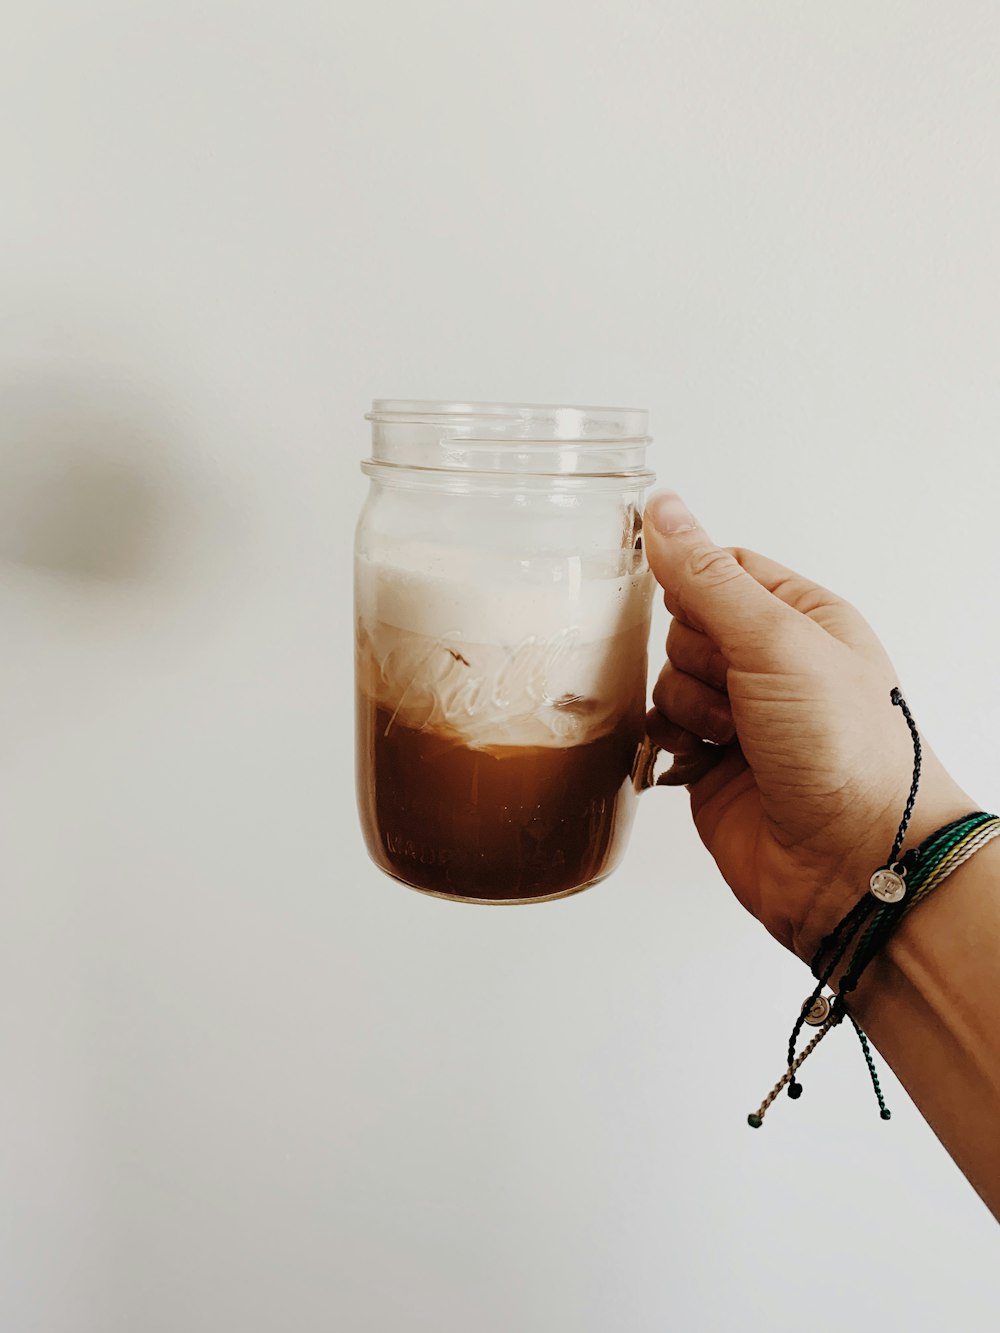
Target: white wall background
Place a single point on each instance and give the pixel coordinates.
(245, 1083)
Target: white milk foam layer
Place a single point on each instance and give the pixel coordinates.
(552, 656)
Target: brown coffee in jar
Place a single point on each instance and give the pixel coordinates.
(496, 823)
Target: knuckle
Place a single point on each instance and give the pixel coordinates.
(679, 652)
(717, 668)
(713, 565)
(695, 653)
(663, 691)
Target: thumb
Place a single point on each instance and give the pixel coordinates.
(706, 586)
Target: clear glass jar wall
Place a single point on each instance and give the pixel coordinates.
(502, 605)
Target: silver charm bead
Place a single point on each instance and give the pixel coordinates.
(887, 886)
(819, 1011)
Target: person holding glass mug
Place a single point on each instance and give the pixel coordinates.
(518, 667)
(800, 795)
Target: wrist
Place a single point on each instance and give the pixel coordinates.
(867, 846)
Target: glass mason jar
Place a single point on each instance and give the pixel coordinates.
(502, 606)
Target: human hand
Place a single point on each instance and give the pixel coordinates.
(799, 797)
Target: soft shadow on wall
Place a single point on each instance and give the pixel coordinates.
(121, 540)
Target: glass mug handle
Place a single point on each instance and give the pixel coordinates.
(644, 773)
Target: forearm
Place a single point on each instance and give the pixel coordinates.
(931, 1005)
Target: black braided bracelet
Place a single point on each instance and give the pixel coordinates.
(894, 889)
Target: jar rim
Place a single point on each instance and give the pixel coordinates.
(547, 422)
